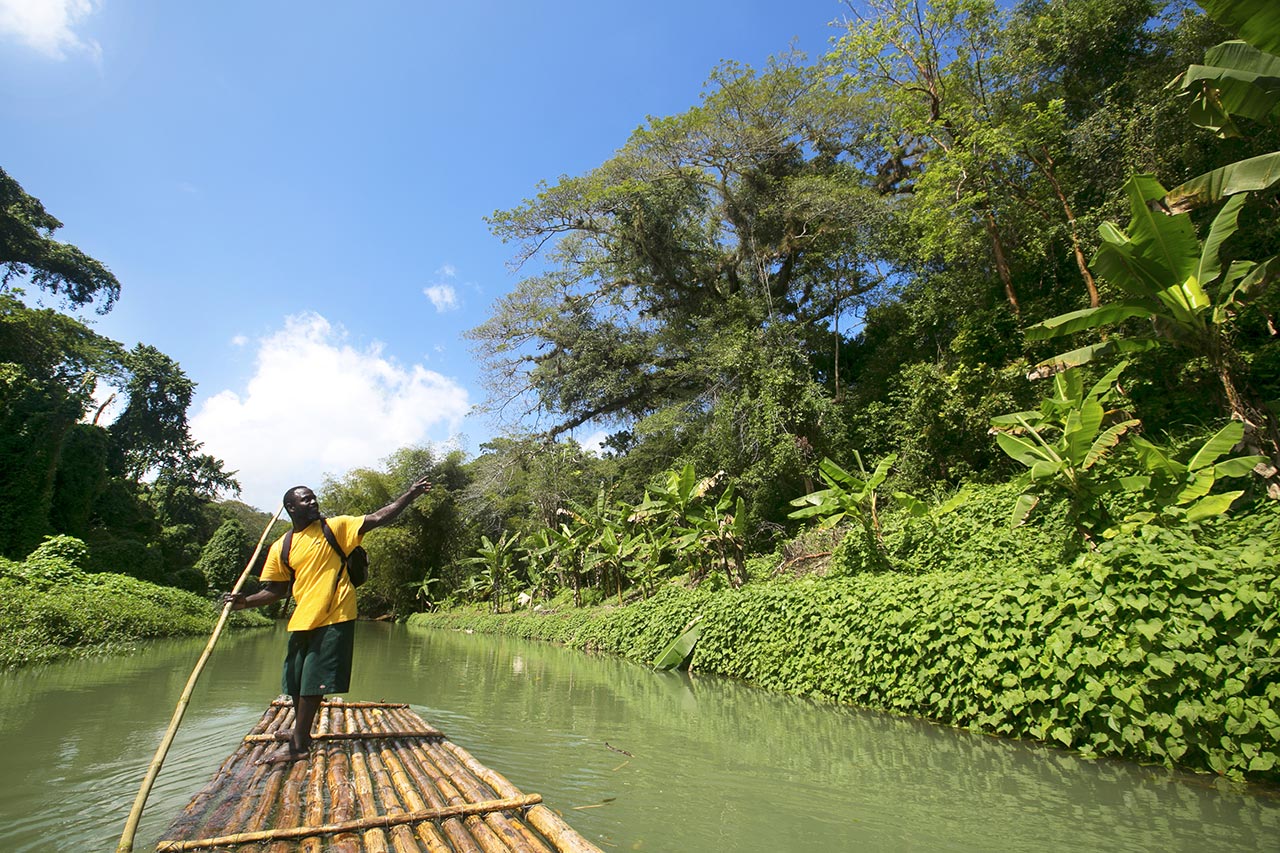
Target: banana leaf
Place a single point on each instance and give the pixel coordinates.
(1255, 21)
(1106, 441)
(1086, 354)
(1087, 318)
(1211, 506)
(1236, 79)
(1170, 241)
(677, 654)
(1222, 442)
(1256, 173)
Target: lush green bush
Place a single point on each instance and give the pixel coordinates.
(50, 608)
(974, 535)
(224, 555)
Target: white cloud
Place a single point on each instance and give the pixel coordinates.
(594, 443)
(448, 271)
(443, 296)
(48, 26)
(239, 341)
(316, 406)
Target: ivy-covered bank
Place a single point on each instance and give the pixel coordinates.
(50, 608)
(1153, 647)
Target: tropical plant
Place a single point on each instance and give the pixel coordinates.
(1181, 490)
(1066, 444)
(494, 561)
(846, 495)
(705, 534)
(1185, 289)
(1081, 461)
(1239, 79)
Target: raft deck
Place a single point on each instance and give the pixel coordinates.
(379, 778)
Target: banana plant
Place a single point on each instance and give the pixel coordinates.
(494, 560)
(678, 511)
(846, 494)
(1066, 444)
(1185, 290)
(539, 555)
(1238, 79)
(714, 534)
(1181, 490)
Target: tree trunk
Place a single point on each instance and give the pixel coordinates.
(1261, 435)
(1047, 168)
(1002, 265)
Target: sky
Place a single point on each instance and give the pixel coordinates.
(293, 195)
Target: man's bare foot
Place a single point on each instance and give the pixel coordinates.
(284, 755)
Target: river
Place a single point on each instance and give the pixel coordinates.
(714, 765)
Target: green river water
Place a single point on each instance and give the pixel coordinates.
(715, 766)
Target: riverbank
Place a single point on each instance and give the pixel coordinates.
(1157, 647)
(50, 609)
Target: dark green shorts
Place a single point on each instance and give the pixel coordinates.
(319, 661)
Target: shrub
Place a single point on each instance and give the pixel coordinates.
(49, 608)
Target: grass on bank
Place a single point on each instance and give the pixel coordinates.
(51, 609)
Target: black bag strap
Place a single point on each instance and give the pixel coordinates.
(342, 555)
(333, 543)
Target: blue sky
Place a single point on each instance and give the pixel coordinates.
(292, 194)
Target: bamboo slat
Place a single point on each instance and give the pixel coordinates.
(378, 780)
(357, 735)
(375, 822)
(338, 703)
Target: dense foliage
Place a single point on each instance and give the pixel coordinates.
(50, 608)
(137, 490)
(836, 292)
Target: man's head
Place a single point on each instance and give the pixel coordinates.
(300, 502)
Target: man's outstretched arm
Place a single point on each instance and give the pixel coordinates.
(388, 513)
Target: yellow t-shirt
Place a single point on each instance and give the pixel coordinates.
(315, 564)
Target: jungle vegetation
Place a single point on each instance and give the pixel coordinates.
(981, 286)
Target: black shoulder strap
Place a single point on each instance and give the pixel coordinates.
(342, 555)
(284, 558)
(333, 541)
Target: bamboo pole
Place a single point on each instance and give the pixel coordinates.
(291, 803)
(425, 777)
(140, 802)
(315, 783)
(401, 836)
(375, 840)
(338, 703)
(281, 736)
(340, 802)
(380, 822)
(412, 797)
(196, 814)
(513, 832)
(474, 790)
(489, 841)
(230, 809)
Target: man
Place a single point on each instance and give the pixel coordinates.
(322, 628)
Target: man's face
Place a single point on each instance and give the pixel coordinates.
(303, 506)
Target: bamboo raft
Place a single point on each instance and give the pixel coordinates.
(378, 779)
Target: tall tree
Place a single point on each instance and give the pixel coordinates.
(704, 232)
(28, 250)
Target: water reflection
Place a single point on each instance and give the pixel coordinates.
(721, 766)
(713, 765)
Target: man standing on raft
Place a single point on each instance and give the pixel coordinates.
(322, 628)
